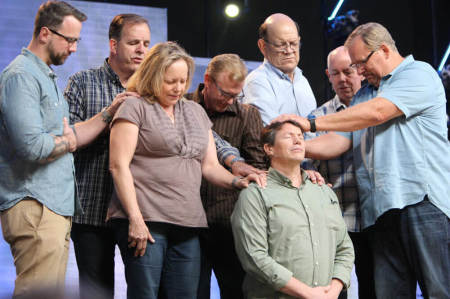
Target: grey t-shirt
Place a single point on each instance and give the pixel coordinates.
(166, 165)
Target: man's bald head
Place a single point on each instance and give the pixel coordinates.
(273, 22)
(337, 53)
(279, 42)
(343, 78)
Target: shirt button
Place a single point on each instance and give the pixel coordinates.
(317, 263)
(312, 224)
(306, 206)
(315, 283)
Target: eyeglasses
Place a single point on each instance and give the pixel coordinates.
(69, 40)
(283, 47)
(227, 95)
(357, 65)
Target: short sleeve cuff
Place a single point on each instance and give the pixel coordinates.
(396, 103)
(347, 135)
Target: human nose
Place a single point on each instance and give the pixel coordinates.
(140, 48)
(73, 47)
(178, 86)
(296, 139)
(289, 48)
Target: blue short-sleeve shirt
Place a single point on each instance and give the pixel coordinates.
(399, 162)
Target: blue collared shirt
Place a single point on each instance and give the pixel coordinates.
(399, 162)
(273, 93)
(31, 112)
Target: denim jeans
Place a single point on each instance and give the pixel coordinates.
(170, 267)
(411, 245)
(94, 251)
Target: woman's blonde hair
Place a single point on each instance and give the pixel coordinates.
(148, 78)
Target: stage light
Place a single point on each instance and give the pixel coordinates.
(336, 9)
(232, 10)
(444, 59)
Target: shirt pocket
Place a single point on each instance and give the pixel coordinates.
(332, 213)
(52, 114)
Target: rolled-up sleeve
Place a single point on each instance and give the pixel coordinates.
(20, 106)
(224, 149)
(249, 224)
(75, 98)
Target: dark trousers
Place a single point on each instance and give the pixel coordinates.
(411, 245)
(94, 252)
(363, 264)
(218, 253)
(170, 267)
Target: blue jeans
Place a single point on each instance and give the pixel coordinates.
(170, 267)
(411, 245)
(94, 251)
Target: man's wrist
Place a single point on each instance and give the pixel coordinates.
(106, 115)
(234, 182)
(312, 124)
(234, 160)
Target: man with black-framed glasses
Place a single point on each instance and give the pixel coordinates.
(37, 183)
(278, 85)
(240, 125)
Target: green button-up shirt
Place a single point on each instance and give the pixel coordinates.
(283, 231)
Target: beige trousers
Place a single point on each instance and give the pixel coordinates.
(39, 241)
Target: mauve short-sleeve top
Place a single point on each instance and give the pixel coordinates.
(166, 165)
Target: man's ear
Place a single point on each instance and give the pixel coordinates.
(113, 46)
(44, 35)
(386, 50)
(262, 46)
(327, 73)
(206, 78)
(268, 149)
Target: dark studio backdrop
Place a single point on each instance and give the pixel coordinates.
(419, 27)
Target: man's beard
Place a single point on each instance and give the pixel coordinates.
(56, 58)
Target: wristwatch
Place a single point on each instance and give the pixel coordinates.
(312, 124)
(106, 116)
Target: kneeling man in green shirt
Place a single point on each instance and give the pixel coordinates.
(290, 236)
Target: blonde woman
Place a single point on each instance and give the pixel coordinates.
(161, 145)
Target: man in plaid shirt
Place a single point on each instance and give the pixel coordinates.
(89, 92)
(340, 172)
